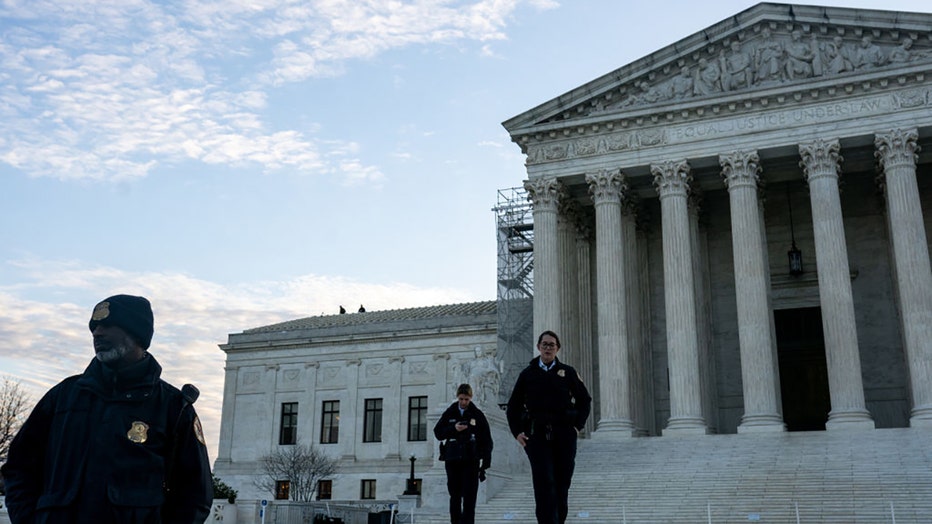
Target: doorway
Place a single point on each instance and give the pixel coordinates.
(803, 369)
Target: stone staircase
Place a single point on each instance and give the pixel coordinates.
(877, 476)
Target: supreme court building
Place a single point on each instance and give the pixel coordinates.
(730, 233)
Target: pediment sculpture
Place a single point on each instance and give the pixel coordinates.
(767, 59)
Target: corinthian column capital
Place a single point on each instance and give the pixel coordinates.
(820, 158)
(671, 178)
(606, 186)
(897, 148)
(569, 210)
(740, 169)
(544, 193)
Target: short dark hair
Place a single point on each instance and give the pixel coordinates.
(548, 333)
(464, 389)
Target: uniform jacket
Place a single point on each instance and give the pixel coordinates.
(97, 449)
(478, 430)
(557, 397)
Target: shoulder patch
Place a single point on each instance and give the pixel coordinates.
(198, 430)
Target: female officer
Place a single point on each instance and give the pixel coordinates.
(547, 410)
(466, 443)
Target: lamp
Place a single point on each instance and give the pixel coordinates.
(411, 485)
(794, 254)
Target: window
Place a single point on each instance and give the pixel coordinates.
(372, 426)
(367, 489)
(330, 422)
(282, 487)
(325, 490)
(288, 434)
(417, 418)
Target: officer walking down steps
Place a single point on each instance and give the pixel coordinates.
(116, 444)
(466, 449)
(547, 410)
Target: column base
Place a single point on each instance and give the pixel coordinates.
(852, 419)
(685, 426)
(921, 417)
(621, 426)
(762, 424)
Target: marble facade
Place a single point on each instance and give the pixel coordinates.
(388, 355)
(698, 168)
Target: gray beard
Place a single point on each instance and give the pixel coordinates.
(113, 354)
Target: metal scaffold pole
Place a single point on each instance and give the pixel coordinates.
(515, 300)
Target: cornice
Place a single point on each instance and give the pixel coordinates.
(648, 119)
(642, 95)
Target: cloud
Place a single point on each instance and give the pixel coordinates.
(111, 89)
(44, 340)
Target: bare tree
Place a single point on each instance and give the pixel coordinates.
(14, 403)
(301, 465)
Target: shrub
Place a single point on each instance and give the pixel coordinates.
(222, 490)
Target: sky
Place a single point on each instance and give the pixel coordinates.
(247, 162)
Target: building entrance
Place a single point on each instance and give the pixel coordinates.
(803, 370)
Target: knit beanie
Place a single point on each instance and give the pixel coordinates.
(132, 314)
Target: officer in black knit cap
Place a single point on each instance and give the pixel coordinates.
(116, 444)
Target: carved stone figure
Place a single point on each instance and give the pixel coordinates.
(708, 78)
(767, 57)
(682, 84)
(647, 95)
(799, 57)
(736, 68)
(484, 374)
(901, 53)
(835, 57)
(868, 54)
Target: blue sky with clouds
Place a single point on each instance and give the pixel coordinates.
(244, 162)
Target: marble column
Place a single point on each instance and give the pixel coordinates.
(569, 286)
(545, 195)
(697, 243)
(671, 180)
(606, 188)
(897, 153)
(584, 298)
(636, 358)
(820, 163)
(646, 341)
(761, 411)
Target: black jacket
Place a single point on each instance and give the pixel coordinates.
(557, 397)
(96, 448)
(478, 431)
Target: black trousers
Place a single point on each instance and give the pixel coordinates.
(552, 464)
(462, 484)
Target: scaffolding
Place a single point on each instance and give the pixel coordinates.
(515, 301)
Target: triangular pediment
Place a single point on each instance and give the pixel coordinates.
(769, 53)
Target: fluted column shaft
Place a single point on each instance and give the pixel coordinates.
(583, 261)
(606, 188)
(703, 321)
(545, 195)
(761, 412)
(569, 285)
(671, 180)
(820, 163)
(636, 360)
(897, 152)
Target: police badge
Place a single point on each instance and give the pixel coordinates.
(101, 311)
(138, 432)
(198, 430)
